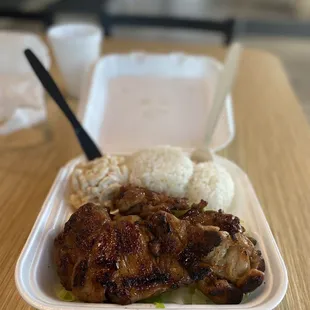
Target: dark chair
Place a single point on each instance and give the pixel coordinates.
(225, 27)
(44, 16)
(109, 20)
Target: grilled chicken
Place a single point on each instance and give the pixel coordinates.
(236, 260)
(141, 201)
(126, 258)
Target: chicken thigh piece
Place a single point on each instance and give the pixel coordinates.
(127, 258)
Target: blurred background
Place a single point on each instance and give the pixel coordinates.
(278, 26)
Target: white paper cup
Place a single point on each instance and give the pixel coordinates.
(76, 48)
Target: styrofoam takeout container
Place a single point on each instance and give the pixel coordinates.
(154, 99)
(36, 277)
(35, 274)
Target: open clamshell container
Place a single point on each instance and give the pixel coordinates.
(133, 101)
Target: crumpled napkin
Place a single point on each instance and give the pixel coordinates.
(22, 102)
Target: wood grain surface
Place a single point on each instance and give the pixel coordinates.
(272, 145)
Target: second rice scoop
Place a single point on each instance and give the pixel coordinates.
(169, 170)
(212, 183)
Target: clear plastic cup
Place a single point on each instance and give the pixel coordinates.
(76, 47)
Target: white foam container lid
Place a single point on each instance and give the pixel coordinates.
(35, 273)
(137, 100)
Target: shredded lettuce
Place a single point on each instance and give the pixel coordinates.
(184, 295)
(157, 301)
(63, 294)
(198, 298)
(179, 296)
(159, 305)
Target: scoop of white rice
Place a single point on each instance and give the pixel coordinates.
(97, 180)
(163, 169)
(212, 183)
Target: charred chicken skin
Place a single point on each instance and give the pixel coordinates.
(145, 250)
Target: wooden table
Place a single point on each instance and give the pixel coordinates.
(272, 145)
